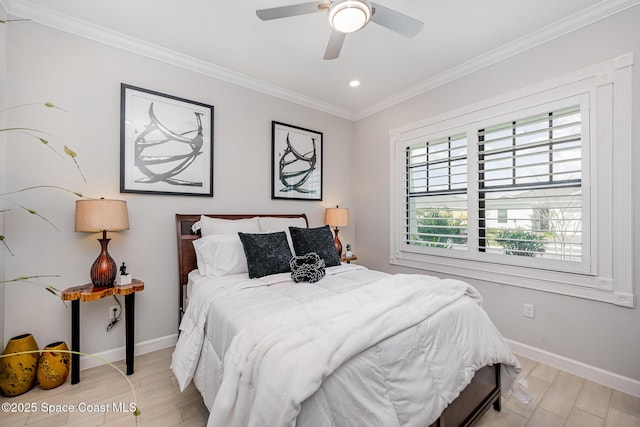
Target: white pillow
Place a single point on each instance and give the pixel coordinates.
(220, 254)
(209, 226)
(270, 224)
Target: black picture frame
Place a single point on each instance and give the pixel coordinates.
(296, 162)
(166, 144)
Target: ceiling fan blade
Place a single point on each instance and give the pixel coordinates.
(396, 21)
(335, 45)
(286, 11)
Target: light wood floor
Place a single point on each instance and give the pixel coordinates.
(559, 399)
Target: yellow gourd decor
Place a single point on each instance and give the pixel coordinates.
(18, 373)
(53, 367)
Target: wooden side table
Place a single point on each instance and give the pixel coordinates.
(90, 293)
(348, 259)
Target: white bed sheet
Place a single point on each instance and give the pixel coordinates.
(192, 277)
(392, 383)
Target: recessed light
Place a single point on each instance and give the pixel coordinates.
(354, 83)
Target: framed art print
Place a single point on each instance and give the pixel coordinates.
(166, 144)
(296, 162)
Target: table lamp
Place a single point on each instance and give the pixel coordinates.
(337, 217)
(95, 215)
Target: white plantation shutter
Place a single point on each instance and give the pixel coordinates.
(436, 193)
(532, 169)
(527, 200)
(529, 188)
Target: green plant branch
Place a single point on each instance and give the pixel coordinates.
(46, 104)
(49, 288)
(36, 133)
(28, 131)
(34, 187)
(5, 244)
(6, 21)
(22, 278)
(69, 152)
(33, 211)
(135, 413)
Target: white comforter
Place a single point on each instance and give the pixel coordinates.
(392, 349)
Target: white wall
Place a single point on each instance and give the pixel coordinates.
(597, 334)
(3, 157)
(84, 77)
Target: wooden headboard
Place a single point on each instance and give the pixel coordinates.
(186, 252)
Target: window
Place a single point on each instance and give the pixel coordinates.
(530, 169)
(520, 189)
(527, 199)
(503, 216)
(436, 183)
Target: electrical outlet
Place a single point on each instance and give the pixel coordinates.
(529, 310)
(113, 312)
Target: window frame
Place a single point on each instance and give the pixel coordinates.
(585, 266)
(453, 188)
(605, 93)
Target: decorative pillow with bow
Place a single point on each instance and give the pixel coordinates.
(307, 268)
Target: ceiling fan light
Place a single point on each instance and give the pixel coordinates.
(348, 16)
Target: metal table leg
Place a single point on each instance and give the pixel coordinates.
(75, 341)
(130, 307)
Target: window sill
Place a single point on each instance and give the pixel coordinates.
(569, 284)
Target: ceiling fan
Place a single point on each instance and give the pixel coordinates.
(347, 16)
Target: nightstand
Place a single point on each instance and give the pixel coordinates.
(348, 259)
(89, 292)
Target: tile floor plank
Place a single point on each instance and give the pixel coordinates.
(558, 399)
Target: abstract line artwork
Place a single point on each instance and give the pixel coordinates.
(302, 167)
(147, 140)
(166, 144)
(296, 163)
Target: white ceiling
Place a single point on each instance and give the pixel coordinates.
(283, 57)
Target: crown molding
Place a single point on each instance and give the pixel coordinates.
(560, 28)
(50, 18)
(62, 22)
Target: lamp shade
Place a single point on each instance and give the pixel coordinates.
(102, 215)
(94, 215)
(336, 217)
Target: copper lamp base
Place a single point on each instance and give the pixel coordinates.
(337, 242)
(104, 269)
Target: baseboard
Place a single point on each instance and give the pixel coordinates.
(119, 353)
(592, 373)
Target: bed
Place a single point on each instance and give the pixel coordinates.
(358, 347)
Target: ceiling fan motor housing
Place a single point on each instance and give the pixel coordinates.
(348, 16)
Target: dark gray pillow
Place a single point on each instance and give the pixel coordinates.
(318, 240)
(266, 253)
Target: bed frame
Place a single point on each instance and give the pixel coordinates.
(186, 252)
(482, 393)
